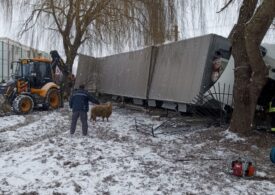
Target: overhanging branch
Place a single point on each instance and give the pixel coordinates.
(226, 5)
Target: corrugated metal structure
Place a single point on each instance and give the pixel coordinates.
(174, 72)
(11, 51)
(125, 74)
(87, 72)
(183, 69)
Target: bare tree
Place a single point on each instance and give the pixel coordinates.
(111, 21)
(79, 21)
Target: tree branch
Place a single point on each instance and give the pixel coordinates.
(226, 5)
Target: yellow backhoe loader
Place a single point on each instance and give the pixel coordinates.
(32, 85)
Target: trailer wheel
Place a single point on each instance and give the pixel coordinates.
(23, 104)
(53, 98)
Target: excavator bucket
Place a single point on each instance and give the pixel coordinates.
(5, 106)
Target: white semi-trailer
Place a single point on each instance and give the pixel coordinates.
(222, 90)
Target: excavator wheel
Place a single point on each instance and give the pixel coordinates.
(53, 98)
(23, 104)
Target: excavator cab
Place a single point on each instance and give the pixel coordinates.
(36, 72)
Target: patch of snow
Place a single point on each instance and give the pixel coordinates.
(231, 136)
(219, 153)
(261, 174)
(9, 121)
(114, 159)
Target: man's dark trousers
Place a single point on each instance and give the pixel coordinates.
(83, 118)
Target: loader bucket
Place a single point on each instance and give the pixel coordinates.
(5, 106)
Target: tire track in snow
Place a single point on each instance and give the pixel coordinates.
(21, 120)
(33, 131)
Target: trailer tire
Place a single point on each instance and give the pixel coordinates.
(23, 104)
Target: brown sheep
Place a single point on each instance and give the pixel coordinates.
(102, 110)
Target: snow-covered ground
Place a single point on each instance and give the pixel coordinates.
(38, 157)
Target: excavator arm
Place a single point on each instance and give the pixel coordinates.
(67, 77)
(58, 62)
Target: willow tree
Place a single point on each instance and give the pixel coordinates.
(251, 71)
(160, 16)
(77, 22)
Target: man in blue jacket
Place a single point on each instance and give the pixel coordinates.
(79, 103)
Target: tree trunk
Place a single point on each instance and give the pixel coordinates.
(250, 70)
(71, 52)
(241, 120)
